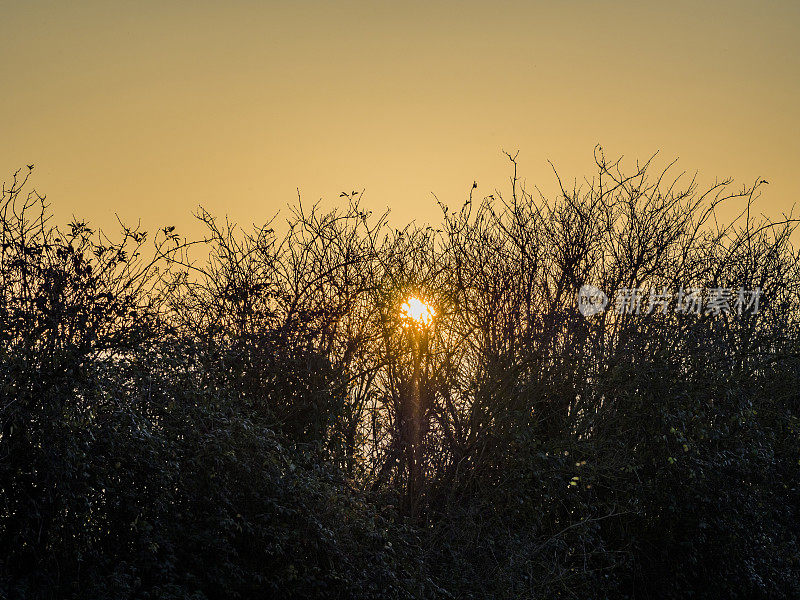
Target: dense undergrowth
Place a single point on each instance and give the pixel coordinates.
(248, 415)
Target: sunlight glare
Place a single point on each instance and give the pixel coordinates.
(418, 311)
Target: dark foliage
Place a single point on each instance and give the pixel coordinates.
(264, 423)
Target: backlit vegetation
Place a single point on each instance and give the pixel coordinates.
(252, 415)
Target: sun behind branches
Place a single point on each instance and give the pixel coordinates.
(417, 311)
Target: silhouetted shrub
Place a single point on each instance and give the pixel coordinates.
(249, 415)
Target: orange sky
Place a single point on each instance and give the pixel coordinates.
(148, 109)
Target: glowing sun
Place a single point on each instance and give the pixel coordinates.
(417, 311)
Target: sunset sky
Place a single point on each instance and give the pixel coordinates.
(149, 109)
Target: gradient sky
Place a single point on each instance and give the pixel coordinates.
(148, 109)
